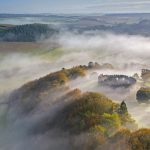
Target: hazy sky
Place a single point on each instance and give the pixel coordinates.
(74, 6)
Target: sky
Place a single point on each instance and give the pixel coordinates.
(74, 6)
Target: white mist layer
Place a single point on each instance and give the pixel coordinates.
(129, 54)
(122, 51)
(104, 47)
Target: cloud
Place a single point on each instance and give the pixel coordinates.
(78, 6)
(112, 6)
(100, 45)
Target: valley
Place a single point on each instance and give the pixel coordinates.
(74, 82)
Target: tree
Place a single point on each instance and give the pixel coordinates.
(140, 140)
(123, 108)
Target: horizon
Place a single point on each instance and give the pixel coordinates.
(61, 14)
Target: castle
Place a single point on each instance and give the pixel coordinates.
(116, 81)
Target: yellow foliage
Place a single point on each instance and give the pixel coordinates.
(140, 140)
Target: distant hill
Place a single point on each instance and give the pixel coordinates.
(34, 32)
(139, 28)
(26, 33)
(43, 27)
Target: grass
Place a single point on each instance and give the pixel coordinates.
(147, 83)
(52, 54)
(145, 89)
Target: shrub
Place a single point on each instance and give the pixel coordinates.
(140, 140)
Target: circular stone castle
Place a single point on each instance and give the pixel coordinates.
(116, 81)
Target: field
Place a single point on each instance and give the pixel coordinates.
(24, 61)
(32, 48)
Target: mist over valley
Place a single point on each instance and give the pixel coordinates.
(74, 82)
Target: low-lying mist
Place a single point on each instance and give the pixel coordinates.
(104, 47)
(123, 51)
(127, 54)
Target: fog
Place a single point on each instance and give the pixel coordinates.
(29, 20)
(18, 68)
(106, 46)
(128, 55)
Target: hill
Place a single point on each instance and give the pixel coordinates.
(93, 112)
(26, 33)
(143, 94)
(88, 120)
(51, 86)
(145, 74)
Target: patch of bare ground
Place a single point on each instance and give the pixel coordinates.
(19, 46)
